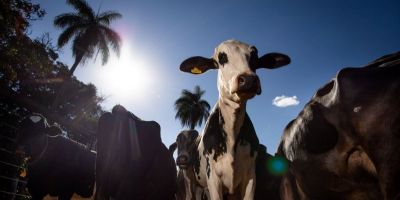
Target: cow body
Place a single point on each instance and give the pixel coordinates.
(132, 162)
(58, 166)
(187, 160)
(228, 146)
(268, 179)
(344, 144)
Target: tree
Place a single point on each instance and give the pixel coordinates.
(89, 32)
(191, 109)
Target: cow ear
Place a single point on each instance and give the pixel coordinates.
(172, 147)
(198, 65)
(273, 60)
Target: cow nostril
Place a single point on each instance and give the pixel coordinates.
(182, 159)
(242, 80)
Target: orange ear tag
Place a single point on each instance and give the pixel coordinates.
(22, 173)
(196, 70)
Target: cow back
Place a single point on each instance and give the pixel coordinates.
(130, 151)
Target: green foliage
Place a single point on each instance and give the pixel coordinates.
(191, 109)
(31, 76)
(15, 16)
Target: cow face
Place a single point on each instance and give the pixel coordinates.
(186, 142)
(33, 129)
(237, 63)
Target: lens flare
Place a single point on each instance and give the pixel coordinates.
(277, 165)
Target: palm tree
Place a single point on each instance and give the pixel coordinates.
(191, 109)
(89, 32)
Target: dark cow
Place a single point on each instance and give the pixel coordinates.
(132, 162)
(57, 166)
(187, 142)
(345, 143)
(228, 147)
(268, 175)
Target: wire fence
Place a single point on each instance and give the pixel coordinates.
(12, 186)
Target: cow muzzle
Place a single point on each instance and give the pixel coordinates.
(182, 161)
(248, 85)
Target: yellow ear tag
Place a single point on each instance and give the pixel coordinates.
(23, 173)
(196, 70)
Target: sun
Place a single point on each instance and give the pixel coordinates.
(125, 79)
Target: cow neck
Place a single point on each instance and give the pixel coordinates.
(39, 154)
(233, 114)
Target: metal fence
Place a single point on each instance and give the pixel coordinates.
(12, 186)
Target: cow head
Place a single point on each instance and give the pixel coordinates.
(348, 135)
(186, 142)
(237, 63)
(33, 130)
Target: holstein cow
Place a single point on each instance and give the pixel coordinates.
(228, 147)
(188, 158)
(345, 143)
(132, 162)
(57, 165)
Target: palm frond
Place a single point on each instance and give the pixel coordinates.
(67, 34)
(68, 19)
(103, 48)
(190, 109)
(83, 8)
(108, 16)
(112, 38)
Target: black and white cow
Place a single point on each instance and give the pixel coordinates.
(345, 143)
(187, 142)
(57, 166)
(228, 147)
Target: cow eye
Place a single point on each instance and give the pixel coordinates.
(253, 60)
(222, 58)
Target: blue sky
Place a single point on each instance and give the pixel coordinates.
(321, 37)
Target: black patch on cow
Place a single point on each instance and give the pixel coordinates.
(319, 135)
(214, 135)
(248, 134)
(208, 167)
(196, 162)
(222, 58)
(253, 59)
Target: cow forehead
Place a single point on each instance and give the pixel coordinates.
(232, 47)
(188, 134)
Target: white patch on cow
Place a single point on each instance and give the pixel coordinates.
(357, 109)
(284, 101)
(188, 186)
(35, 118)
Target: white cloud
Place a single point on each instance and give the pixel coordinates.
(284, 101)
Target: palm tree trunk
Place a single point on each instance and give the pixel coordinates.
(78, 59)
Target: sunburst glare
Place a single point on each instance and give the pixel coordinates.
(127, 78)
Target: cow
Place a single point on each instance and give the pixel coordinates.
(344, 144)
(228, 145)
(269, 170)
(187, 142)
(132, 162)
(57, 165)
